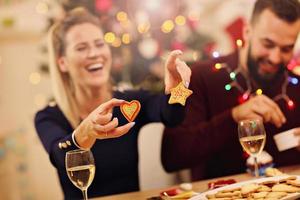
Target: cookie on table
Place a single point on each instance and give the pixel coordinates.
(285, 188)
(232, 189)
(259, 195)
(283, 180)
(277, 195)
(269, 183)
(294, 182)
(210, 196)
(222, 194)
(249, 188)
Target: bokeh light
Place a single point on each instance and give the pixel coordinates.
(117, 42)
(42, 8)
(35, 78)
(122, 16)
(167, 26)
(143, 27)
(216, 54)
(148, 48)
(291, 104)
(218, 65)
(227, 87)
(126, 39)
(180, 20)
(152, 5)
(232, 75)
(109, 37)
(259, 92)
(239, 42)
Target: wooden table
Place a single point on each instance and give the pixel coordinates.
(198, 186)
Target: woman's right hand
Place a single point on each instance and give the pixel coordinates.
(100, 125)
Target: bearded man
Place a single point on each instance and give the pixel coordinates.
(226, 91)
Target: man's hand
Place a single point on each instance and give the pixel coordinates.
(261, 107)
(297, 133)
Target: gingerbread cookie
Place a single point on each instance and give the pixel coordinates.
(130, 109)
(285, 188)
(179, 94)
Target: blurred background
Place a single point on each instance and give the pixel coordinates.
(140, 33)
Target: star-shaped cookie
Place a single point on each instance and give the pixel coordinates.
(179, 94)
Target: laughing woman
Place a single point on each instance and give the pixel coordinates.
(87, 115)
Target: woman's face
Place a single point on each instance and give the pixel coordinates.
(87, 57)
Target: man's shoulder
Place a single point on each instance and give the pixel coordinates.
(212, 65)
(215, 69)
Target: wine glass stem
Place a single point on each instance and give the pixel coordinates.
(84, 193)
(256, 167)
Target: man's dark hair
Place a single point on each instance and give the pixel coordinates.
(287, 10)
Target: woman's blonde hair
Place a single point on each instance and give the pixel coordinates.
(61, 82)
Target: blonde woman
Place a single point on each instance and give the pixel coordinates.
(87, 115)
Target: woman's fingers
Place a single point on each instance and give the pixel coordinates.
(105, 107)
(107, 127)
(100, 125)
(121, 130)
(170, 62)
(184, 72)
(102, 118)
(111, 129)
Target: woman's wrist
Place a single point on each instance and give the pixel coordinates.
(74, 140)
(82, 140)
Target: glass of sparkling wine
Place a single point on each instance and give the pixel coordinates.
(252, 136)
(80, 166)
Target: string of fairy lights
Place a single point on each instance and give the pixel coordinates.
(248, 92)
(142, 25)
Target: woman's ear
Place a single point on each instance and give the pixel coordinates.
(62, 64)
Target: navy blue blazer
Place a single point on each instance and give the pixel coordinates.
(116, 159)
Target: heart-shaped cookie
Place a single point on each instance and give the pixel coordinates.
(130, 109)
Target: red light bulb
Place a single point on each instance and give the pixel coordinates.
(290, 104)
(245, 96)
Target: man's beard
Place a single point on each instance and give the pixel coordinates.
(263, 80)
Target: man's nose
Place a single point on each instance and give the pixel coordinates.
(275, 56)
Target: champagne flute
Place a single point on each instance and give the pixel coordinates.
(80, 166)
(252, 136)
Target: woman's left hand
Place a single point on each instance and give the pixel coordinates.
(176, 71)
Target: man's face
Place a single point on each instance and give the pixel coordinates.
(270, 46)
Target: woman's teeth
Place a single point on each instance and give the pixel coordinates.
(95, 67)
